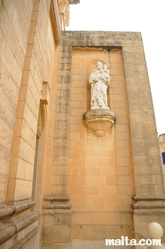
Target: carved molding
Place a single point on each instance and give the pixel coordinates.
(64, 10)
(24, 240)
(67, 16)
(6, 233)
(149, 198)
(148, 205)
(63, 5)
(55, 20)
(57, 202)
(57, 206)
(99, 120)
(5, 210)
(26, 221)
(15, 226)
(56, 197)
(15, 207)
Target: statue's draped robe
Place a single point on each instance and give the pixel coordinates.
(99, 84)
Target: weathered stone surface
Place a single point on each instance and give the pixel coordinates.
(15, 226)
(5, 210)
(26, 221)
(57, 198)
(6, 233)
(9, 208)
(99, 120)
(96, 177)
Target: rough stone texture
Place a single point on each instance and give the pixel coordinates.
(96, 176)
(99, 179)
(61, 132)
(28, 238)
(14, 33)
(27, 50)
(142, 122)
(14, 226)
(130, 158)
(7, 209)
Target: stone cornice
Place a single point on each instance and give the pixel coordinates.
(154, 202)
(57, 206)
(149, 198)
(15, 226)
(56, 202)
(56, 198)
(25, 239)
(15, 207)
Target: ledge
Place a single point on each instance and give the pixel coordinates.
(57, 206)
(57, 202)
(15, 207)
(56, 198)
(149, 198)
(99, 120)
(5, 210)
(148, 205)
(25, 239)
(15, 226)
(154, 202)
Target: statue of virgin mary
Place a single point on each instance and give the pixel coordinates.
(99, 80)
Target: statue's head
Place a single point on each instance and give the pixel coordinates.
(99, 65)
(105, 67)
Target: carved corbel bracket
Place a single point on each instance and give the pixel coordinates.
(64, 11)
(99, 120)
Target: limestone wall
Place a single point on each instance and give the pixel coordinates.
(55, 172)
(15, 25)
(100, 171)
(27, 52)
(102, 186)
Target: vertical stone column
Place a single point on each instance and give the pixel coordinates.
(148, 176)
(148, 173)
(57, 210)
(62, 114)
(23, 147)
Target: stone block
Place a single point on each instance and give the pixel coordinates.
(3, 186)
(8, 111)
(62, 233)
(47, 234)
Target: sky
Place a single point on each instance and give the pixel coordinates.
(145, 16)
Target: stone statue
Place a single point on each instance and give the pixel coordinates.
(99, 80)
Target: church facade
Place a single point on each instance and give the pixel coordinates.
(80, 157)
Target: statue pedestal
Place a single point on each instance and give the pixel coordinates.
(99, 120)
